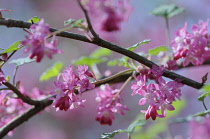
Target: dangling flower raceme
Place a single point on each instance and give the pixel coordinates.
(192, 47)
(109, 14)
(109, 104)
(65, 90)
(159, 95)
(37, 42)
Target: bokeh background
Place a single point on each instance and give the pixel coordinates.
(80, 123)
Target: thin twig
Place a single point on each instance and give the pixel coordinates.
(90, 27)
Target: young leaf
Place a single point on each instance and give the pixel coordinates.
(13, 47)
(22, 61)
(157, 50)
(204, 113)
(74, 23)
(112, 134)
(136, 45)
(101, 52)
(34, 19)
(206, 92)
(70, 21)
(52, 72)
(167, 11)
(135, 124)
(89, 61)
(8, 78)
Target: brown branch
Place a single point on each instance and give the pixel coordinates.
(24, 117)
(108, 45)
(90, 27)
(24, 98)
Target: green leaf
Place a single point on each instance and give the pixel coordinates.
(120, 62)
(51, 72)
(70, 21)
(34, 19)
(135, 124)
(8, 78)
(206, 92)
(204, 113)
(22, 61)
(13, 47)
(130, 129)
(138, 44)
(89, 61)
(157, 50)
(112, 134)
(74, 23)
(167, 11)
(101, 52)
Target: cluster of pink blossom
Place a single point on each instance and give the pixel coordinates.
(158, 95)
(109, 104)
(11, 106)
(192, 47)
(109, 14)
(66, 97)
(200, 130)
(37, 42)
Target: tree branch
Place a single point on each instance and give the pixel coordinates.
(108, 45)
(24, 98)
(90, 27)
(24, 117)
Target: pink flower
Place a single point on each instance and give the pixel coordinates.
(200, 130)
(37, 42)
(159, 95)
(109, 14)
(192, 47)
(109, 104)
(65, 90)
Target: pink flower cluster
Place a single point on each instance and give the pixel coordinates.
(11, 106)
(192, 47)
(66, 97)
(200, 130)
(37, 42)
(109, 14)
(158, 95)
(109, 104)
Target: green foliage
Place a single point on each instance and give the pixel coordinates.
(206, 92)
(96, 57)
(13, 47)
(22, 61)
(101, 52)
(138, 44)
(157, 50)
(51, 72)
(34, 19)
(8, 78)
(112, 134)
(167, 11)
(124, 61)
(204, 113)
(74, 23)
(130, 129)
(89, 61)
